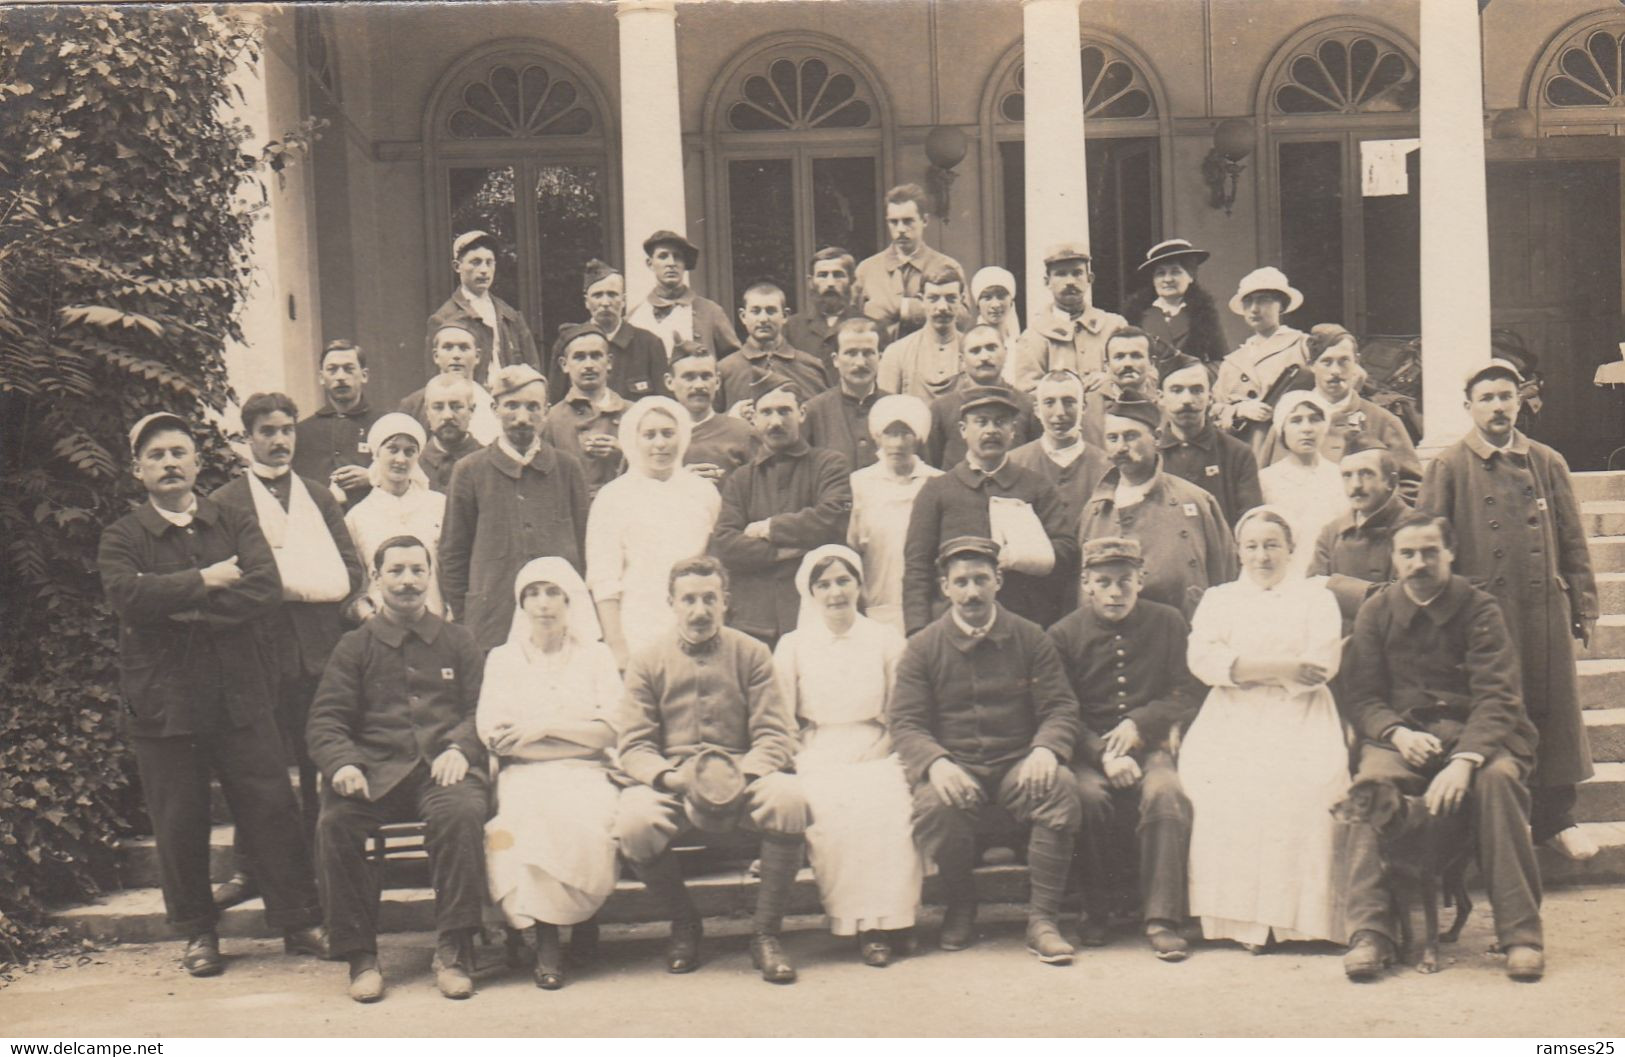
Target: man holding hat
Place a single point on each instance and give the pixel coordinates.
(637, 358)
(1071, 335)
(765, 353)
(889, 287)
(982, 359)
(672, 312)
(587, 422)
(1125, 659)
(838, 418)
(188, 579)
(704, 741)
(1244, 392)
(1355, 551)
(1512, 503)
(789, 499)
(1183, 538)
(1192, 450)
(982, 716)
(829, 304)
(987, 495)
(501, 333)
(513, 501)
(454, 350)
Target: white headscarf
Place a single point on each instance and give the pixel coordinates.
(1274, 513)
(395, 424)
(1009, 326)
(581, 617)
(811, 614)
(911, 411)
(632, 422)
(1289, 402)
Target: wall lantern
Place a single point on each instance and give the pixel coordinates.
(945, 148)
(1232, 142)
(1514, 124)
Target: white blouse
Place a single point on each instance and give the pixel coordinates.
(1309, 496)
(878, 529)
(838, 687)
(1295, 618)
(380, 516)
(528, 688)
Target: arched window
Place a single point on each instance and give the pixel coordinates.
(1338, 174)
(1578, 83)
(517, 144)
(799, 161)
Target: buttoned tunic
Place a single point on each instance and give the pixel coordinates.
(745, 372)
(722, 440)
(575, 417)
(395, 697)
(331, 438)
(499, 516)
(1356, 556)
(1519, 536)
(1185, 542)
(882, 281)
(1057, 342)
(840, 422)
(945, 448)
(1218, 464)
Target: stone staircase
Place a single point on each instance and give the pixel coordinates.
(136, 913)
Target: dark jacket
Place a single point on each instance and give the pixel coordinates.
(637, 366)
(809, 331)
(437, 463)
(1201, 334)
(518, 345)
(1217, 463)
(331, 438)
(945, 448)
(840, 423)
(393, 697)
(724, 441)
(744, 373)
(299, 636)
(189, 659)
(1357, 558)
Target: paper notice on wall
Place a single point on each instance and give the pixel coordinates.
(1382, 166)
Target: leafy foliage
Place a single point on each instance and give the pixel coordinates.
(123, 256)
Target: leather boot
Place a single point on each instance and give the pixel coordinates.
(366, 981)
(767, 954)
(1368, 954)
(239, 889)
(1049, 861)
(202, 956)
(781, 860)
(1526, 963)
(664, 880)
(311, 941)
(549, 958)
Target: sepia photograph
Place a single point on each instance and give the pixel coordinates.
(801, 519)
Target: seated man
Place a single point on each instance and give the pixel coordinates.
(982, 715)
(709, 690)
(392, 729)
(1125, 657)
(1433, 693)
(1355, 551)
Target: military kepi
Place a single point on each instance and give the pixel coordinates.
(980, 546)
(1104, 550)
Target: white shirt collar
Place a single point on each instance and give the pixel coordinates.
(1169, 309)
(514, 453)
(1062, 457)
(183, 519)
(1132, 494)
(975, 633)
(268, 473)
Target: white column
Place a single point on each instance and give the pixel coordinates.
(1057, 200)
(1455, 216)
(651, 133)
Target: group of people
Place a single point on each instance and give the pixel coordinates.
(888, 576)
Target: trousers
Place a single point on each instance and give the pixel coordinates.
(1147, 826)
(647, 820)
(454, 816)
(253, 774)
(294, 695)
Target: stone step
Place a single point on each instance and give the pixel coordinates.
(1602, 683)
(1607, 553)
(1605, 728)
(1608, 643)
(1602, 796)
(1608, 867)
(1611, 592)
(138, 859)
(1603, 517)
(1599, 486)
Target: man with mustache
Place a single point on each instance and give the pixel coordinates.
(1072, 335)
(672, 311)
(453, 348)
(702, 704)
(510, 502)
(829, 288)
(889, 287)
(987, 495)
(1512, 502)
(1193, 450)
(981, 362)
(448, 408)
(789, 499)
(393, 732)
(587, 422)
(719, 444)
(500, 332)
(1186, 545)
(1128, 376)
(637, 358)
(188, 580)
(765, 353)
(333, 441)
(1355, 551)
(321, 579)
(982, 715)
(1431, 687)
(838, 418)
(925, 362)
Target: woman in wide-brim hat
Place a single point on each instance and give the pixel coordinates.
(1178, 313)
(1248, 374)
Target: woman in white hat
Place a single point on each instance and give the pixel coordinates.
(545, 712)
(836, 672)
(1305, 485)
(993, 292)
(1247, 374)
(883, 497)
(401, 502)
(1178, 313)
(645, 521)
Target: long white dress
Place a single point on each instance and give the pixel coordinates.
(878, 529)
(1263, 766)
(861, 841)
(420, 512)
(1309, 496)
(550, 850)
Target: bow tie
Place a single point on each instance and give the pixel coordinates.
(699, 649)
(663, 304)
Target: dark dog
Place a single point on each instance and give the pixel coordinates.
(1420, 853)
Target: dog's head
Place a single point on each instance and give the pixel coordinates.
(1376, 802)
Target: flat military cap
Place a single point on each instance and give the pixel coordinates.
(717, 791)
(469, 240)
(988, 396)
(570, 332)
(1107, 549)
(594, 273)
(980, 546)
(1361, 441)
(1142, 411)
(1496, 368)
(150, 424)
(691, 252)
(1065, 251)
(513, 378)
(1179, 361)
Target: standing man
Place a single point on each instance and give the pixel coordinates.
(987, 495)
(587, 422)
(333, 442)
(925, 361)
(1355, 551)
(393, 731)
(1192, 450)
(501, 333)
(1512, 504)
(838, 418)
(321, 578)
(981, 363)
(672, 312)
(889, 287)
(1060, 455)
(786, 501)
(1072, 335)
(453, 349)
(765, 353)
(719, 444)
(513, 501)
(1184, 541)
(448, 408)
(637, 358)
(188, 579)
(982, 716)
(706, 704)
(829, 289)
(1432, 691)
(1129, 376)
